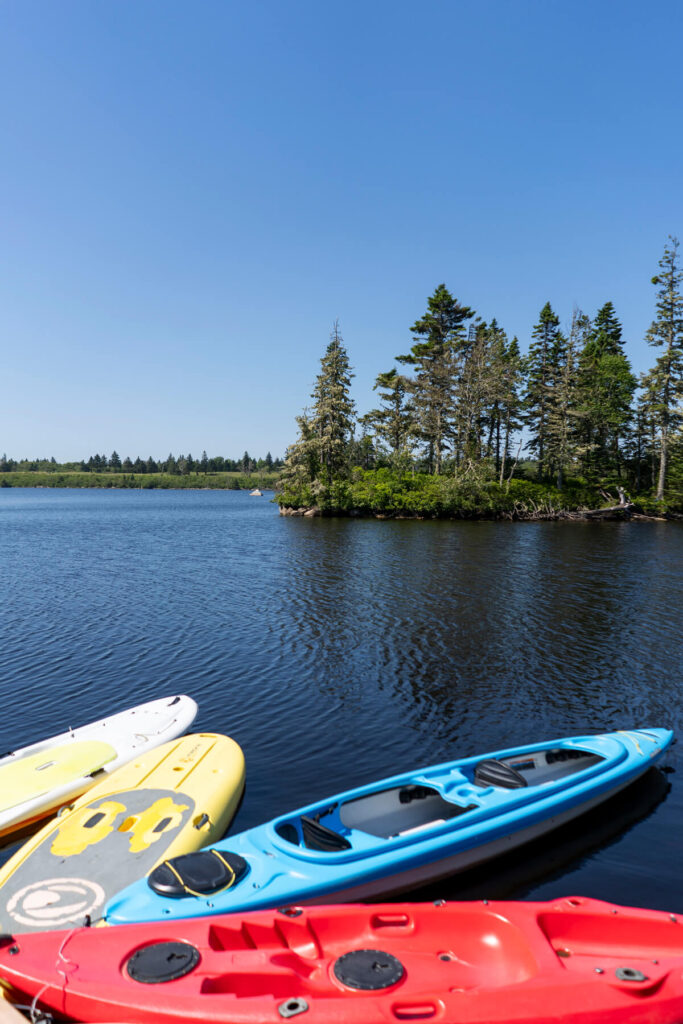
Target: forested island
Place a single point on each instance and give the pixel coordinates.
(466, 425)
(474, 428)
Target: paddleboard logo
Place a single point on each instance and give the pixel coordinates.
(54, 902)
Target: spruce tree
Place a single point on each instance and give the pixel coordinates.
(301, 467)
(474, 392)
(665, 379)
(439, 342)
(606, 384)
(333, 411)
(511, 403)
(560, 439)
(542, 350)
(393, 422)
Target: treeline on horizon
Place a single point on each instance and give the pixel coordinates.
(183, 465)
(473, 424)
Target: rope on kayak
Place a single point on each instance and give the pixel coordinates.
(35, 1014)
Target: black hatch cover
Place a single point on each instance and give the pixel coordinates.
(368, 969)
(163, 961)
(198, 874)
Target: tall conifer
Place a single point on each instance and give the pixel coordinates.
(333, 411)
(393, 422)
(606, 385)
(542, 350)
(440, 338)
(665, 379)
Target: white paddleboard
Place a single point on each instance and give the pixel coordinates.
(38, 779)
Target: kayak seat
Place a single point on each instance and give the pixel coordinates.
(320, 837)
(203, 873)
(491, 772)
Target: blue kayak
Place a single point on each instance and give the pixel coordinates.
(398, 833)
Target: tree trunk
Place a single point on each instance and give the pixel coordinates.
(663, 458)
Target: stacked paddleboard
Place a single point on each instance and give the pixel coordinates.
(38, 779)
(168, 801)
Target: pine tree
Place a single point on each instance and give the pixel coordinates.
(541, 353)
(665, 379)
(440, 340)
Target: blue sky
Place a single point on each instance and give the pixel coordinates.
(191, 193)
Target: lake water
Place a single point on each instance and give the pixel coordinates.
(340, 651)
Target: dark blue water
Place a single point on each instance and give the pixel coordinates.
(340, 651)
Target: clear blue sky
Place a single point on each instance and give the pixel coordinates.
(192, 192)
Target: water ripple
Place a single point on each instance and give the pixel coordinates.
(337, 651)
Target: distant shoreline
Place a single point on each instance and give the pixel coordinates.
(140, 481)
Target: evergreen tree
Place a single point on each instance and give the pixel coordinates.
(542, 350)
(605, 385)
(393, 422)
(440, 339)
(204, 463)
(560, 440)
(114, 461)
(301, 467)
(511, 403)
(333, 410)
(474, 391)
(664, 382)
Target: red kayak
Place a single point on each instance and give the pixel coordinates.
(573, 960)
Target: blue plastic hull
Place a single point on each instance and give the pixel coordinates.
(454, 819)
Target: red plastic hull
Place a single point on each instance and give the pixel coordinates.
(572, 960)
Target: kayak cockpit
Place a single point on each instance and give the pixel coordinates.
(537, 767)
(417, 806)
(395, 811)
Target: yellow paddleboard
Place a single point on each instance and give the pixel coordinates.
(41, 773)
(171, 800)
